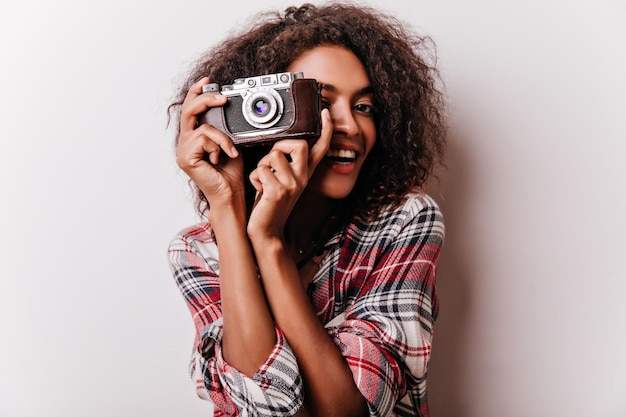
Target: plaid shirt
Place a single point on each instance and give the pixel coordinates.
(375, 293)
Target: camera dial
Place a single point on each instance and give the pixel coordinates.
(211, 88)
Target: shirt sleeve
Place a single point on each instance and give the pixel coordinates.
(275, 389)
(386, 334)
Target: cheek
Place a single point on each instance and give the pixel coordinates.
(369, 134)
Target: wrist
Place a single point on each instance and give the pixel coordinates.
(227, 215)
(265, 233)
(267, 245)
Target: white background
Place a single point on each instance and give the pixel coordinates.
(532, 277)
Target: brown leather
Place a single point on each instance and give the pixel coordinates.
(307, 122)
(308, 106)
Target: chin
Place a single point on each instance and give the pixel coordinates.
(335, 194)
(333, 188)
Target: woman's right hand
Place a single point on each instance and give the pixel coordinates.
(199, 149)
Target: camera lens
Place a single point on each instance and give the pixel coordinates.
(262, 108)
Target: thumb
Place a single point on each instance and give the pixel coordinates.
(320, 147)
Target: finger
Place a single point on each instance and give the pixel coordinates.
(196, 103)
(274, 168)
(202, 103)
(220, 138)
(267, 179)
(213, 152)
(278, 162)
(191, 152)
(320, 147)
(195, 90)
(254, 180)
(293, 152)
(265, 161)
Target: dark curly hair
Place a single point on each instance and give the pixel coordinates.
(400, 64)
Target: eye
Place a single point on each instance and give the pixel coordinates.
(325, 103)
(365, 108)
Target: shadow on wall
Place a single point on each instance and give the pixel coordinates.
(454, 285)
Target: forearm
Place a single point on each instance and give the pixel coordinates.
(329, 384)
(249, 335)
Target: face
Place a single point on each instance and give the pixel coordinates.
(347, 93)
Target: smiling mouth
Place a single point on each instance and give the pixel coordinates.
(341, 156)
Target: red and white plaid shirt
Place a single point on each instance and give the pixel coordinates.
(374, 291)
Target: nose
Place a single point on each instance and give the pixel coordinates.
(343, 119)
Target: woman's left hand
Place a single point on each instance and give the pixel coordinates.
(280, 178)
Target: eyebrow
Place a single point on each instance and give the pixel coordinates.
(329, 87)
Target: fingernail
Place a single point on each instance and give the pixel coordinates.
(234, 152)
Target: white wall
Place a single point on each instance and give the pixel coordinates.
(532, 276)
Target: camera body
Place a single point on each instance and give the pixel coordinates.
(264, 108)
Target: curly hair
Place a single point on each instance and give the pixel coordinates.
(401, 67)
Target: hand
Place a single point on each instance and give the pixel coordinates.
(280, 178)
(199, 149)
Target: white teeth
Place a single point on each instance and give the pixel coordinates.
(341, 153)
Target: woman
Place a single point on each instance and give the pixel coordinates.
(319, 300)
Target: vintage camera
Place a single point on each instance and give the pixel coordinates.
(264, 108)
